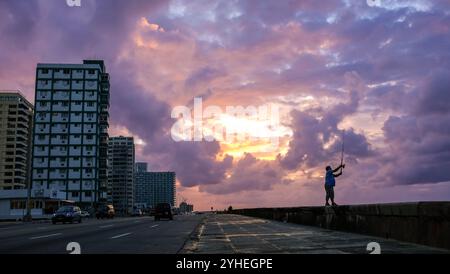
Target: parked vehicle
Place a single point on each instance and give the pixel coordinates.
(137, 213)
(163, 210)
(105, 211)
(85, 214)
(67, 214)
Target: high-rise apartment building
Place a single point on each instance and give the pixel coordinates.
(71, 130)
(152, 188)
(121, 173)
(16, 119)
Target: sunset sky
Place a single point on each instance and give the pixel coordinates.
(378, 70)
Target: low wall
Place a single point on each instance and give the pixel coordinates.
(426, 223)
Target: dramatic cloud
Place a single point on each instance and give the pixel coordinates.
(419, 140)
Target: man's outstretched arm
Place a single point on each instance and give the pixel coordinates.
(337, 175)
(338, 168)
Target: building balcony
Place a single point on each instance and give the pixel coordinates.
(62, 74)
(61, 85)
(77, 74)
(45, 74)
(44, 84)
(77, 85)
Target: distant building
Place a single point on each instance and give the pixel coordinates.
(16, 120)
(121, 173)
(152, 188)
(186, 208)
(141, 167)
(70, 139)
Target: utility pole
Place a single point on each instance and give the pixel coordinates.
(28, 217)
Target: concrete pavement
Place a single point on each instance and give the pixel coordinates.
(231, 234)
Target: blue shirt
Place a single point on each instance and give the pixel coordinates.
(329, 178)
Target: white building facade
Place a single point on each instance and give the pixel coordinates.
(69, 152)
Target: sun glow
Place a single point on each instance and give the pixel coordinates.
(259, 137)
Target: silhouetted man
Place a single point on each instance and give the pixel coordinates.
(330, 182)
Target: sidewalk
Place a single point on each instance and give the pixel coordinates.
(236, 234)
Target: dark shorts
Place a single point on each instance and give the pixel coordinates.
(330, 191)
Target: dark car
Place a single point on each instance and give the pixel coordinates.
(105, 211)
(67, 214)
(137, 213)
(163, 210)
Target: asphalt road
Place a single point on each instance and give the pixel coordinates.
(141, 235)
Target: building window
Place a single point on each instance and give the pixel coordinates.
(38, 204)
(16, 204)
(88, 194)
(75, 194)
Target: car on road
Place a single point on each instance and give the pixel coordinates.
(137, 213)
(67, 214)
(105, 211)
(85, 214)
(163, 210)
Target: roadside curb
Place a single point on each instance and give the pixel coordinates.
(190, 245)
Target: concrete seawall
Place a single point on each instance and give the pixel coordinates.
(426, 223)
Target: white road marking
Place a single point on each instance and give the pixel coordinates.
(105, 226)
(120, 236)
(153, 226)
(45, 236)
